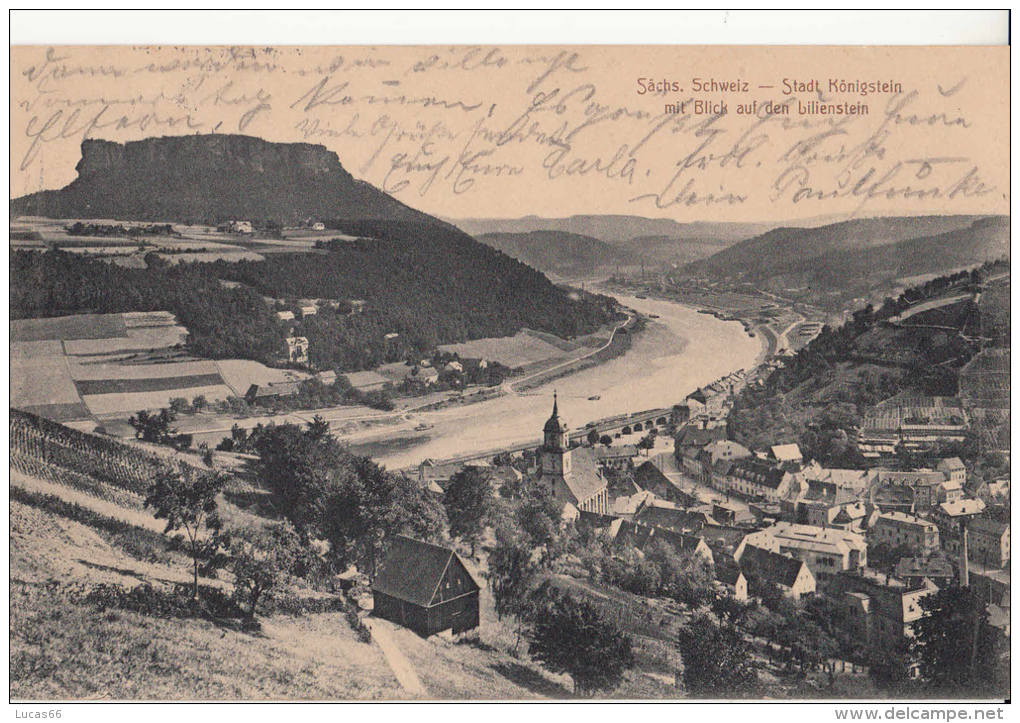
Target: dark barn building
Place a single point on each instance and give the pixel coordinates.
(426, 588)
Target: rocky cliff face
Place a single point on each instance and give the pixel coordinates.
(212, 178)
(212, 152)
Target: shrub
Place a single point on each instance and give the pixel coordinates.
(147, 599)
(297, 605)
(350, 608)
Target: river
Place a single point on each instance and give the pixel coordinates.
(677, 352)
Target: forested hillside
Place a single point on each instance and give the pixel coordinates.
(425, 282)
(438, 289)
(849, 259)
(817, 399)
(559, 252)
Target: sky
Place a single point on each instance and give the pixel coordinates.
(763, 134)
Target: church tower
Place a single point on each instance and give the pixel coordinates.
(555, 449)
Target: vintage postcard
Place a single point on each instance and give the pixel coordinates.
(509, 373)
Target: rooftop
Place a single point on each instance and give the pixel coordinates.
(772, 566)
(411, 570)
(905, 519)
(786, 452)
(809, 537)
(962, 508)
(584, 480)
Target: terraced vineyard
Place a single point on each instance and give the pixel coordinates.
(56, 453)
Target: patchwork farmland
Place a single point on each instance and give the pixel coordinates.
(183, 243)
(97, 367)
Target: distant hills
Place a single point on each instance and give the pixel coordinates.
(616, 229)
(636, 239)
(820, 396)
(565, 254)
(860, 253)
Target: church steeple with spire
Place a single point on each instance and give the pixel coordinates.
(556, 446)
(571, 476)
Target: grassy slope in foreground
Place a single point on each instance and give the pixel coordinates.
(70, 532)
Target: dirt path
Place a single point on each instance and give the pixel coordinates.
(399, 664)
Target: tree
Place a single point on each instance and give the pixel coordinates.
(512, 573)
(571, 636)
(539, 517)
(262, 559)
(954, 644)
(718, 661)
(889, 668)
(593, 437)
(391, 504)
(154, 427)
(298, 467)
(468, 501)
(883, 556)
(186, 499)
(605, 440)
(318, 428)
(199, 403)
(346, 499)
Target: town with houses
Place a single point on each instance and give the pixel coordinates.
(762, 525)
(285, 457)
(771, 515)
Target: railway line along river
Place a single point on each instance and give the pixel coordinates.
(678, 351)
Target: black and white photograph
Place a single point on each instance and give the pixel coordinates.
(509, 372)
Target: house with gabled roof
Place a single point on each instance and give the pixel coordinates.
(897, 529)
(953, 468)
(273, 391)
(616, 456)
(758, 479)
(935, 567)
(882, 610)
(426, 588)
(672, 518)
(925, 484)
(696, 401)
(825, 550)
(652, 479)
(705, 459)
(786, 454)
(723, 540)
(729, 575)
(989, 542)
(642, 537)
(789, 574)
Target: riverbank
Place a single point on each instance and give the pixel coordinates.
(768, 337)
(679, 351)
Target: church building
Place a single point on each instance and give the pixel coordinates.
(572, 476)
